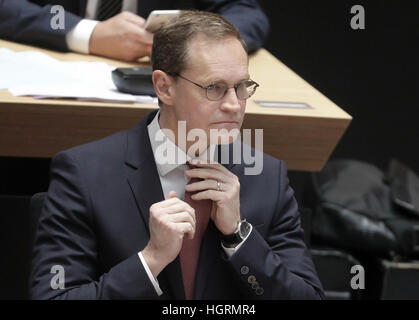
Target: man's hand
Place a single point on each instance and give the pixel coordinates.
(121, 37)
(226, 201)
(170, 221)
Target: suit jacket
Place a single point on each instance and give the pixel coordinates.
(95, 221)
(29, 22)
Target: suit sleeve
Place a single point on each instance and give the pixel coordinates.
(26, 22)
(246, 15)
(66, 238)
(279, 262)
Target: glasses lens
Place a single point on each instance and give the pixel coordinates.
(246, 89)
(216, 91)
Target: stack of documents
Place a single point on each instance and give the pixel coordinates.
(32, 73)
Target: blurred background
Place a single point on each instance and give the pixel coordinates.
(372, 74)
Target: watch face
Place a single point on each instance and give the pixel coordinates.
(244, 229)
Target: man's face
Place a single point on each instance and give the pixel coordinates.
(211, 61)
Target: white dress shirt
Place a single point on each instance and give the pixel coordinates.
(172, 177)
(78, 38)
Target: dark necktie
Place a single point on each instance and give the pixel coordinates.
(108, 8)
(189, 254)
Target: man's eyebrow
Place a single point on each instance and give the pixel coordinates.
(219, 80)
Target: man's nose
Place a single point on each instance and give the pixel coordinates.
(230, 101)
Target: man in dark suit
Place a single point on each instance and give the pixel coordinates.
(122, 36)
(120, 220)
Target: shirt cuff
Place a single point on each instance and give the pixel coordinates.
(150, 275)
(78, 38)
(230, 251)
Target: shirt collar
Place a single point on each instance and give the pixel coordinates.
(159, 141)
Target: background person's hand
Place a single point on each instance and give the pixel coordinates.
(170, 221)
(121, 37)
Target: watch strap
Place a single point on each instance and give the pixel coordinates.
(236, 237)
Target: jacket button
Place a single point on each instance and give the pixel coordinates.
(251, 279)
(244, 270)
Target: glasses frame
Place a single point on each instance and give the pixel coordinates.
(208, 87)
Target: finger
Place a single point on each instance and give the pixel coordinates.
(179, 207)
(213, 210)
(203, 185)
(182, 217)
(190, 235)
(146, 36)
(148, 50)
(172, 194)
(169, 202)
(186, 228)
(209, 164)
(208, 194)
(139, 35)
(133, 18)
(207, 173)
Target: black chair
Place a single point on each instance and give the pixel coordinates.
(400, 280)
(332, 264)
(334, 270)
(14, 246)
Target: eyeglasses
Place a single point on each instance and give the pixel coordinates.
(244, 90)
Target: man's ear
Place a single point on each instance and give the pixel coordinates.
(163, 85)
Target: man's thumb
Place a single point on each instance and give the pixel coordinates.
(172, 194)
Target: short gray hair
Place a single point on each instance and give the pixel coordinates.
(170, 44)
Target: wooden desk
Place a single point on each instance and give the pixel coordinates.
(304, 138)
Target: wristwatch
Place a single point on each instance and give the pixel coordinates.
(242, 231)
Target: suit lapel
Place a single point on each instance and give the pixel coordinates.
(143, 179)
(145, 185)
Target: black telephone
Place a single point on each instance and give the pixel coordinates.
(136, 81)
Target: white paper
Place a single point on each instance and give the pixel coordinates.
(32, 73)
(80, 92)
(29, 67)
